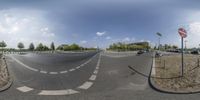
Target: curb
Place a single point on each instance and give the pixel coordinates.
(8, 85)
(157, 88)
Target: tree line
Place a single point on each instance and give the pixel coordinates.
(66, 47)
(129, 46)
(42, 47)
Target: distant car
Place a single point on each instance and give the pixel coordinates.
(195, 52)
(140, 52)
(158, 54)
(187, 52)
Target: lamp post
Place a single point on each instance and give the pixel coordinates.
(159, 36)
(185, 44)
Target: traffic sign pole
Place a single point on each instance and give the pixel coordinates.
(182, 57)
(183, 33)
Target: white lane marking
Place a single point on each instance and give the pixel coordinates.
(95, 71)
(44, 72)
(53, 72)
(81, 65)
(71, 69)
(62, 72)
(97, 67)
(24, 89)
(86, 85)
(57, 92)
(78, 67)
(93, 77)
(87, 61)
(26, 66)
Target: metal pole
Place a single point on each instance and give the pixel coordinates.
(159, 43)
(182, 55)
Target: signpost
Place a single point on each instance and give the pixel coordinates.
(182, 32)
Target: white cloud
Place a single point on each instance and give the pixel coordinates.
(83, 42)
(194, 28)
(100, 33)
(193, 35)
(108, 37)
(127, 39)
(17, 25)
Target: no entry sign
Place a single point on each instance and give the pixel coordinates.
(182, 32)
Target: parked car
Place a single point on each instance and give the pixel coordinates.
(187, 52)
(140, 52)
(158, 54)
(195, 52)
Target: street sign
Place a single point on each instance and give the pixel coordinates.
(182, 32)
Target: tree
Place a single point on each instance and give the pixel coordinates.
(3, 45)
(31, 47)
(74, 47)
(52, 46)
(42, 47)
(20, 45)
(175, 47)
(39, 47)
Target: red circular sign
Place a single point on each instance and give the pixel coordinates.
(182, 32)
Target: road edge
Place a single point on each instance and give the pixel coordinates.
(10, 81)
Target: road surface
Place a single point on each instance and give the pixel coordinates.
(82, 76)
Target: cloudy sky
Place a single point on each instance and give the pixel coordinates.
(94, 23)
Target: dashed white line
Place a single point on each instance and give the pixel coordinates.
(53, 72)
(86, 85)
(58, 92)
(24, 89)
(26, 66)
(44, 72)
(95, 71)
(81, 65)
(93, 77)
(78, 67)
(62, 72)
(71, 69)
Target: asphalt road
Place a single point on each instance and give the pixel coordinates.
(82, 76)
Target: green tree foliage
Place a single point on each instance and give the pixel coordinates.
(72, 47)
(31, 47)
(75, 47)
(42, 47)
(66, 47)
(131, 46)
(3, 45)
(52, 46)
(175, 47)
(20, 45)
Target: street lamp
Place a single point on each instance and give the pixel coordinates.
(185, 44)
(159, 36)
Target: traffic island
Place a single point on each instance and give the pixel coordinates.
(166, 74)
(5, 79)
